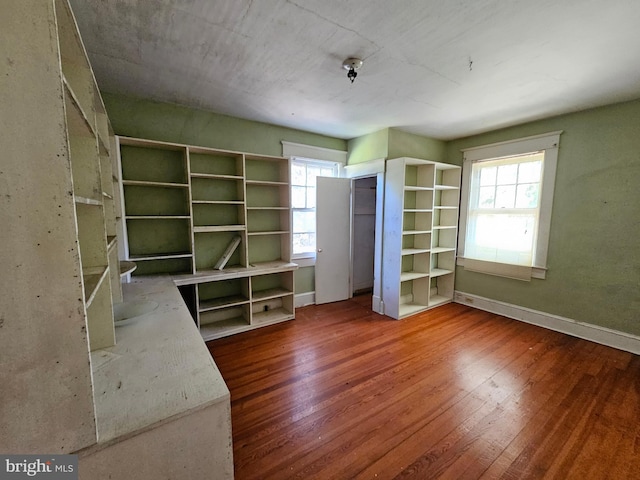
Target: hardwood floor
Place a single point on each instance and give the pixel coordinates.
(344, 393)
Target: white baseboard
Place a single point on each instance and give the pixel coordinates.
(304, 299)
(594, 333)
(377, 305)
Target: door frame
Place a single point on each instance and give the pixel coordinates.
(373, 168)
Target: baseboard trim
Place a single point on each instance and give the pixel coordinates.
(304, 299)
(594, 333)
(377, 305)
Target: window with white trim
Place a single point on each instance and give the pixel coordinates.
(303, 201)
(507, 196)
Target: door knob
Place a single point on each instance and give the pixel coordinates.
(319, 250)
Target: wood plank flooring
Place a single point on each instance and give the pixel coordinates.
(455, 393)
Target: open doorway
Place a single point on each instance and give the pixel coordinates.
(337, 276)
(364, 234)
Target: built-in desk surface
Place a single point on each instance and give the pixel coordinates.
(159, 369)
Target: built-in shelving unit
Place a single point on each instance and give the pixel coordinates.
(220, 222)
(59, 248)
(89, 139)
(420, 233)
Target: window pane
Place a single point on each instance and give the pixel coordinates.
(507, 174)
(501, 238)
(529, 172)
(304, 243)
(527, 195)
(303, 199)
(312, 173)
(304, 222)
(488, 176)
(298, 197)
(311, 198)
(487, 197)
(298, 174)
(505, 196)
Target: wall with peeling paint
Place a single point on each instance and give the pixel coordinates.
(594, 247)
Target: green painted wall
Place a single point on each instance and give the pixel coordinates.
(594, 248)
(403, 144)
(305, 280)
(173, 123)
(393, 143)
(368, 147)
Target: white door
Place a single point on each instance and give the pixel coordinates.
(333, 239)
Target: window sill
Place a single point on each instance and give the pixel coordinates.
(304, 260)
(536, 272)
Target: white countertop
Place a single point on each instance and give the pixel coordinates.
(159, 369)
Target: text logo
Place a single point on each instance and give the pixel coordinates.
(51, 467)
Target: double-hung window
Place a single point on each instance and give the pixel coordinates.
(303, 201)
(506, 206)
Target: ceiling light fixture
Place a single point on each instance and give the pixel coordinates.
(352, 64)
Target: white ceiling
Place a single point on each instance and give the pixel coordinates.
(444, 69)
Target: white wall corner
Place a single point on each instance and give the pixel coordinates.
(604, 336)
(304, 299)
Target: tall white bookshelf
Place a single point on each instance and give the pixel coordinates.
(420, 233)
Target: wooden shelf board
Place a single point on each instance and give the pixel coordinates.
(267, 183)
(446, 187)
(92, 282)
(216, 176)
(145, 183)
(222, 328)
(445, 207)
(442, 249)
(407, 309)
(438, 300)
(444, 227)
(222, 302)
(406, 276)
(127, 267)
(87, 201)
(271, 316)
(272, 232)
(418, 210)
(267, 208)
(270, 293)
(159, 256)
(438, 272)
(85, 123)
(158, 217)
(212, 333)
(413, 251)
(219, 228)
(103, 145)
(112, 241)
(270, 207)
(217, 202)
(142, 142)
(415, 232)
(230, 273)
(413, 188)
